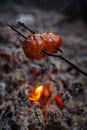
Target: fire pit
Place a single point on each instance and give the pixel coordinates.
(48, 94)
(43, 104)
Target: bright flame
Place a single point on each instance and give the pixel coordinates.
(36, 93)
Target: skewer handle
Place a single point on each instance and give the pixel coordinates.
(64, 59)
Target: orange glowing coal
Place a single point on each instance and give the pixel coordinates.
(35, 96)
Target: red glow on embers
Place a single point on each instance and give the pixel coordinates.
(59, 101)
(42, 93)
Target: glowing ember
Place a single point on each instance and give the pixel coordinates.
(36, 93)
(59, 101)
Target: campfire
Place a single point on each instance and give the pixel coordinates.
(40, 93)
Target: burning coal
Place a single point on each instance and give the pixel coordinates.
(35, 96)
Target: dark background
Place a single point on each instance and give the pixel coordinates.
(72, 9)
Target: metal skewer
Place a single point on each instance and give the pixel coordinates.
(64, 59)
(48, 53)
(22, 24)
(17, 31)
